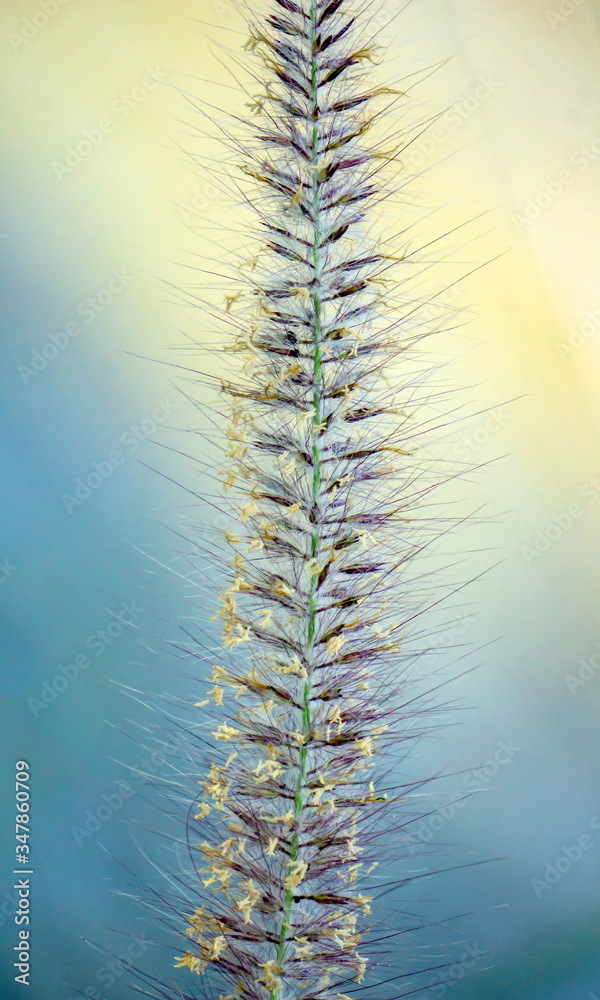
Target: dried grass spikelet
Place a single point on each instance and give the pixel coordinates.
(313, 683)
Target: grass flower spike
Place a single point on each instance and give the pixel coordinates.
(314, 691)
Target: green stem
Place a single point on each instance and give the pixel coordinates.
(316, 488)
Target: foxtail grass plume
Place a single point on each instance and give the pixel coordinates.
(313, 696)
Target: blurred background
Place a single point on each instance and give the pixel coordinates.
(102, 213)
